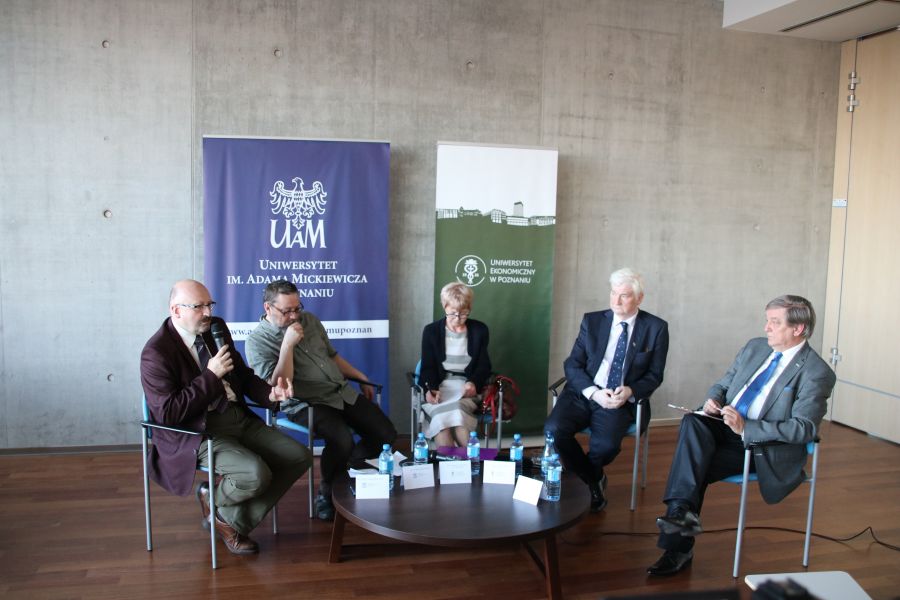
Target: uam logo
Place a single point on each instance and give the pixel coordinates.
(470, 270)
(298, 206)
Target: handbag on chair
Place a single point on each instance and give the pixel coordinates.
(490, 402)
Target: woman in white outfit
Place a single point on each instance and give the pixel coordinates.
(455, 368)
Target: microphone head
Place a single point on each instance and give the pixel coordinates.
(218, 333)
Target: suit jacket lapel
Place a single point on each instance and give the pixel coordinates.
(185, 354)
(783, 380)
(602, 341)
(637, 341)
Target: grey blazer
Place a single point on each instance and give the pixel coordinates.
(791, 413)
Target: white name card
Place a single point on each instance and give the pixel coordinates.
(528, 490)
(455, 471)
(372, 486)
(499, 471)
(418, 476)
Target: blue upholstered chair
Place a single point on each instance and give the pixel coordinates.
(147, 427)
(746, 477)
(633, 431)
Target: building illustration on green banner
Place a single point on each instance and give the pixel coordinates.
(495, 232)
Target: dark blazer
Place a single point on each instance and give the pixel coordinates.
(179, 394)
(434, 353)
(645, 360)
(791, 413)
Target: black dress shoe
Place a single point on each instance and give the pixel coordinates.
(598, 500)
(680, 520)
(670, 562)
(324, 508)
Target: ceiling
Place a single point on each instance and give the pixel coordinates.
(827, 20)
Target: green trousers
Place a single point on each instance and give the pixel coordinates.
(258, 465)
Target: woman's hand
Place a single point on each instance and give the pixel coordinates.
(433, 397)
(469, 390)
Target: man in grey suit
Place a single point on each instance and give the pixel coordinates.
(775, 391)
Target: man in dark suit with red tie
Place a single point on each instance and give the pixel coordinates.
(191, 385)
(618, 358)
(775, 391)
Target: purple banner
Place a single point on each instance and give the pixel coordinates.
(314, 213)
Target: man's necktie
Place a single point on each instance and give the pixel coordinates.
(219, 404)
(202, 352)
(614, 379)
(756, 386)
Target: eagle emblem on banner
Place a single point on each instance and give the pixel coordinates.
(298, 205)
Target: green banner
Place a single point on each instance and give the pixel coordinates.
(495, 232)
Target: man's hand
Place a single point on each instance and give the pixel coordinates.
(469, 390)
(711, 407)
(733, 419)
(293, 335)
(605, 399)
(368, 391)
(621, 395)
(221, 364)
(433, 397)
(282, 390)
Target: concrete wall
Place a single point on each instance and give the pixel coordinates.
(700, 156)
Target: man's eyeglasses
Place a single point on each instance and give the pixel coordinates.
(458, 315)
(289, 311)
(208, 305)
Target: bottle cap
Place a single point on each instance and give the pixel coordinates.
(386, 447)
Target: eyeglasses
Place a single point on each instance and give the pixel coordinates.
(201, 307)
(459, 316)
(289, 311)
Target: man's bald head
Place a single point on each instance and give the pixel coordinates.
(190, 306)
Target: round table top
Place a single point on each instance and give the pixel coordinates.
(460, 514)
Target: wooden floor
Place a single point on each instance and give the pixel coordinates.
(72, 526)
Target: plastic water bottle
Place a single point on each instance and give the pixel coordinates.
(549, 450)
(473, 451)
(386, 464)
(420, 451)
(554, 478)
(516, 453)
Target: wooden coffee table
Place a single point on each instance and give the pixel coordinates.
(432, 516)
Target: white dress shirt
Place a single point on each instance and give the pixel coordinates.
(603, 372)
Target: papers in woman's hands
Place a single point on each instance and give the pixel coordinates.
(452, 390)
(696, 412)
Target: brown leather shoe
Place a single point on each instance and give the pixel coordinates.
(234, 541)
(203, 499)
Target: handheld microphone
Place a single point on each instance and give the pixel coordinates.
(218, 333)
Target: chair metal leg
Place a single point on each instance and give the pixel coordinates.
(212, 500)
(637, 452)
(500, 419)
(310, 444)
(741, 515)
(415, 405)
(646, 456)
(146, 489)
(812, 500)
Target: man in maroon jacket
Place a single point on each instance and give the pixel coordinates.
(192, 385)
